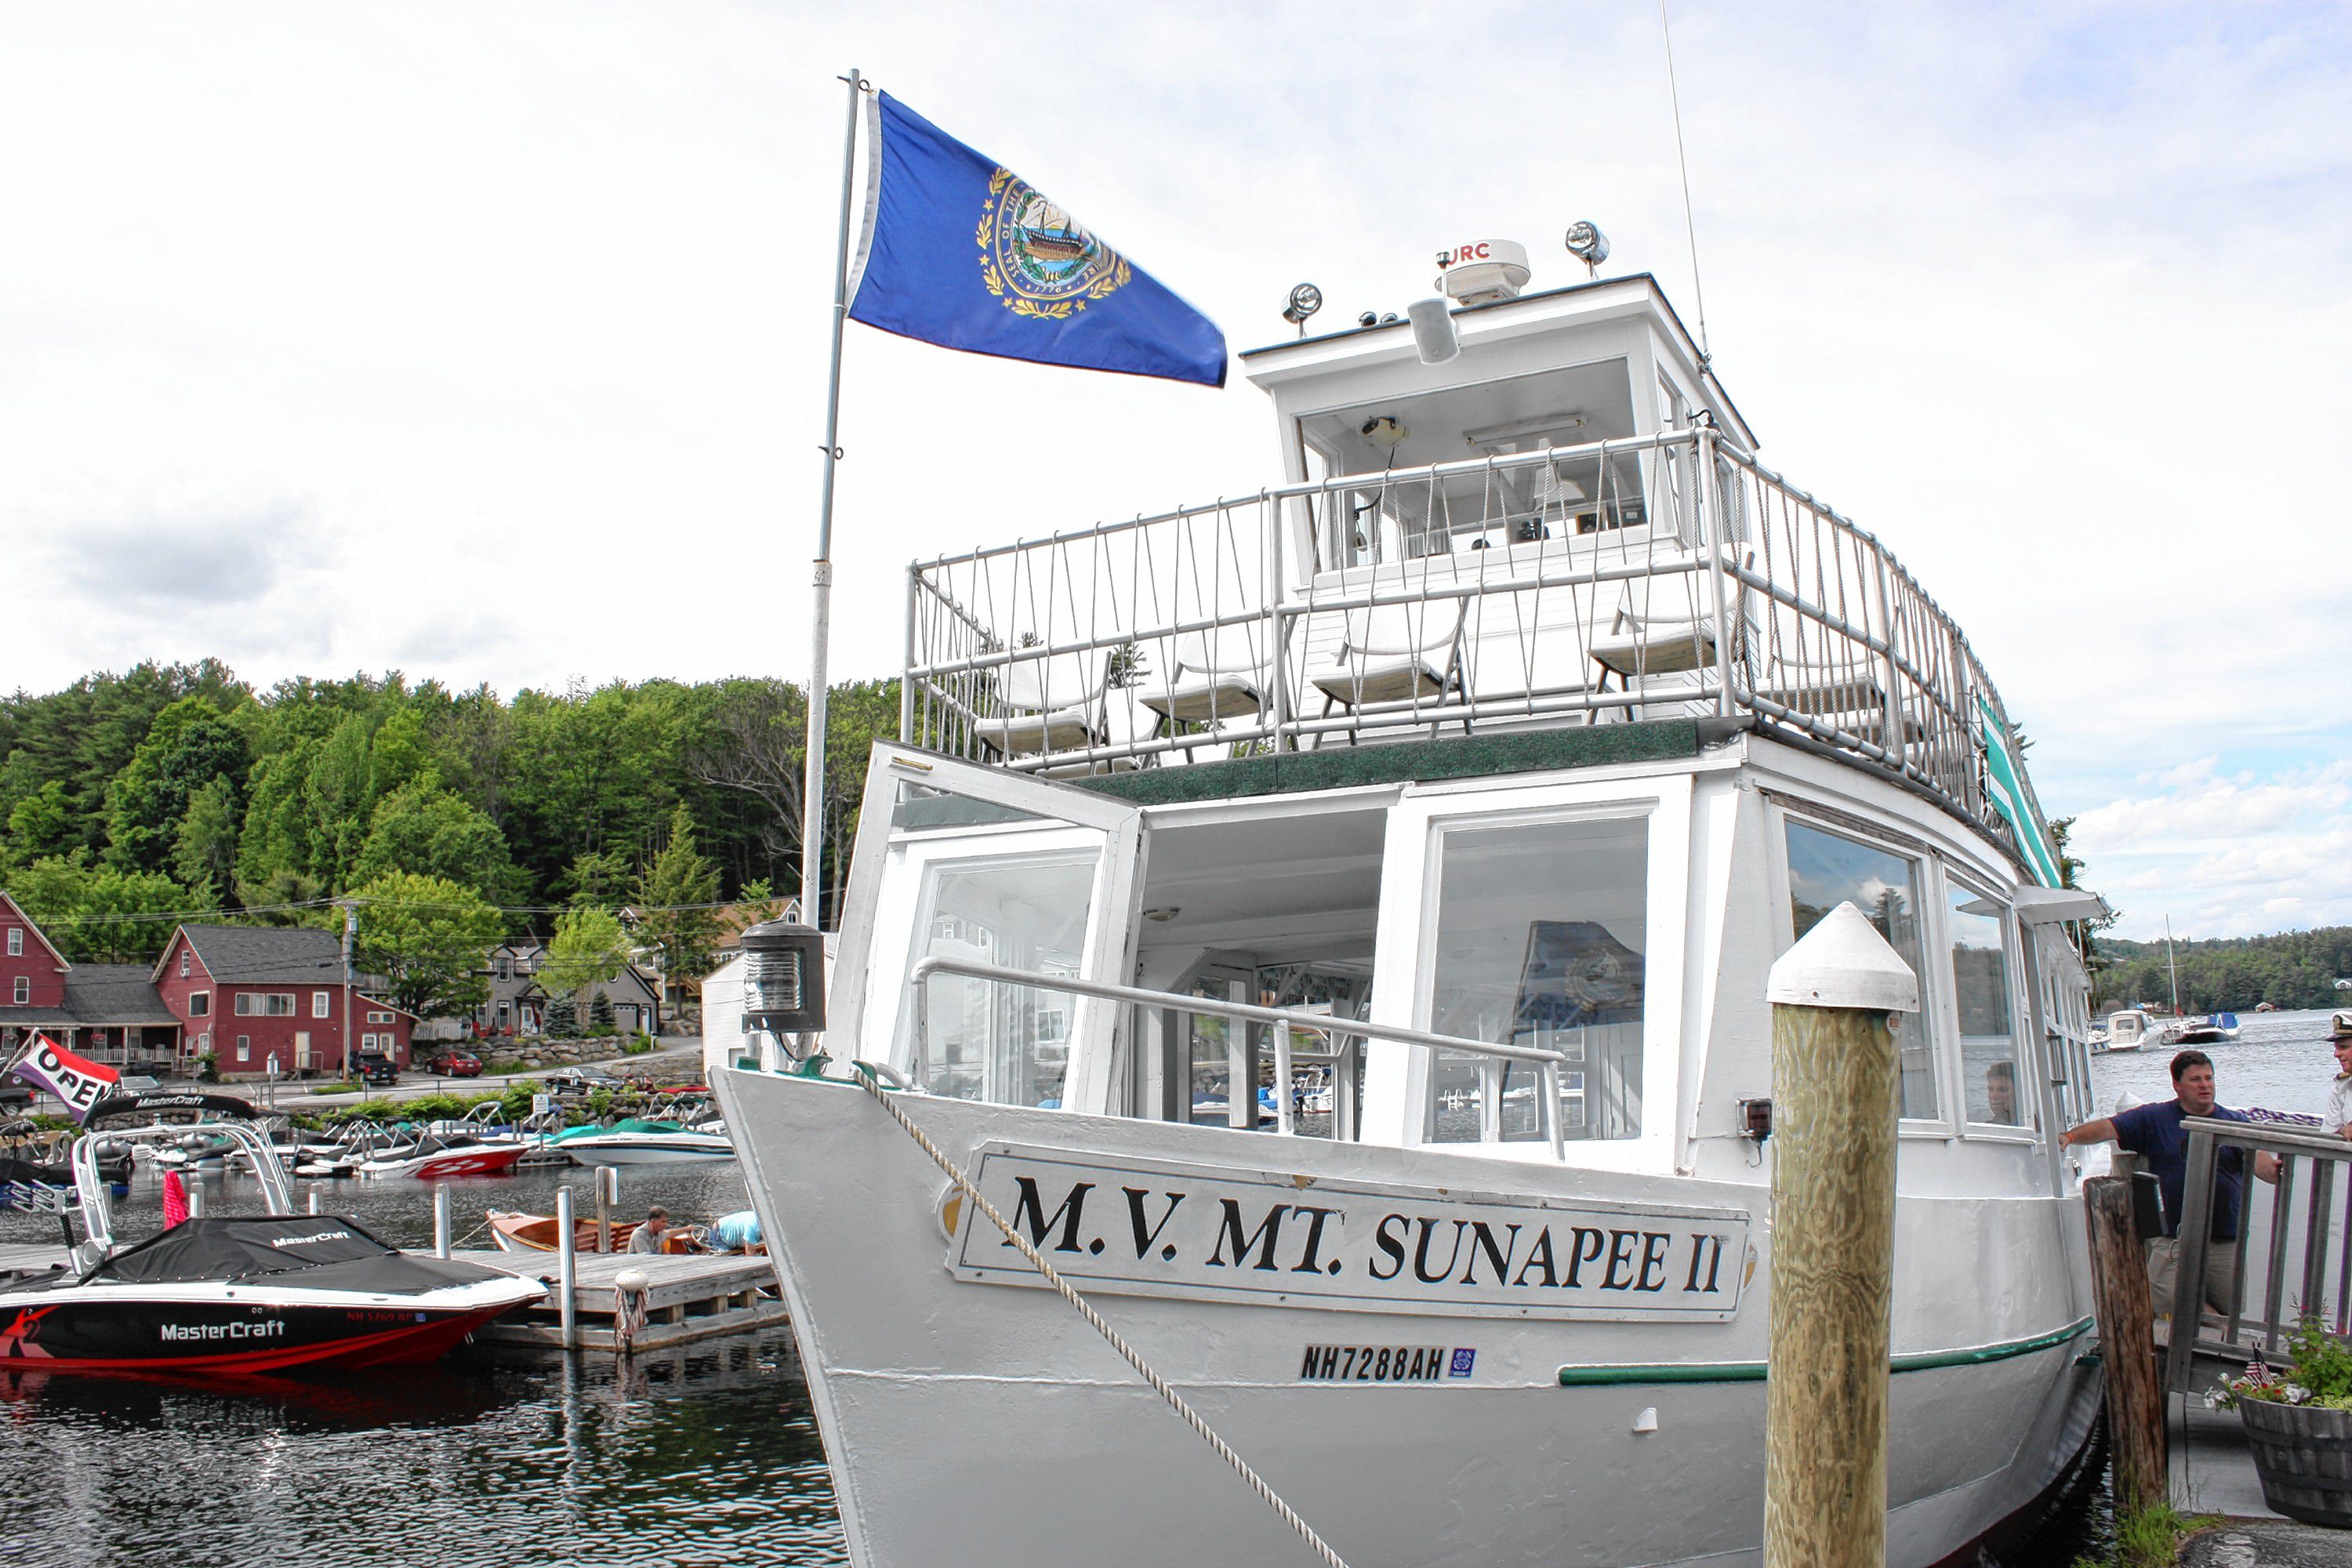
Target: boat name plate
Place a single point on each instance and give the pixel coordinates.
(1135, 1226)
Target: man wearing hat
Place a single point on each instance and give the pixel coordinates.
(2339, 1097)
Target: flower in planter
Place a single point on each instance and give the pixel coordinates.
(2318, 1371)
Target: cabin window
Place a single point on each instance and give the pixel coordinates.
(1826, 869)
(1993, 1082)
(1541, 934)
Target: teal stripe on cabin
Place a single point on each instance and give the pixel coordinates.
(2009, 794)
(1754, 1370)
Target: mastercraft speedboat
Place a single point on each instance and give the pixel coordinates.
(2131, 1029)
(640, 1142)
(1528, 708)
(244, 1294)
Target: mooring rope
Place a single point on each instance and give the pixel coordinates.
(1159, 1385)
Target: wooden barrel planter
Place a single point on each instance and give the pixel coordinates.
(2305, 1459)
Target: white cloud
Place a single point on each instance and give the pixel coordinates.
(526, 310)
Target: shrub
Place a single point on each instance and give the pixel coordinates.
(2318, 1371)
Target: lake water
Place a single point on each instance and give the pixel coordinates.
(705, 1455)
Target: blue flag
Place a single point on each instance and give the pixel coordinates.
(961, 252)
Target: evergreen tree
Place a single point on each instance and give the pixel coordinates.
(676, 900)
(601, 1021)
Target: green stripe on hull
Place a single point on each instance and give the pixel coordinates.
(1754, 1370)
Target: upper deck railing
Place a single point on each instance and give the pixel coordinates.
(1664, 576)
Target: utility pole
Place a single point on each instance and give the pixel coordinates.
(350, 935)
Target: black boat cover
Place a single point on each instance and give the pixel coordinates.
(311, 1252)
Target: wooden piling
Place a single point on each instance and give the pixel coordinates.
(1835, 1100)
(2135, 1397)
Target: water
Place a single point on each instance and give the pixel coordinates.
(708, 1454)
(705, 1455)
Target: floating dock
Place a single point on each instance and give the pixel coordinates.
(685, 1299)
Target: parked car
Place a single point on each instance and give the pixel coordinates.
(375, 1068)
(582, 1080)
(454, 1064)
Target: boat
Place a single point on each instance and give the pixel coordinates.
(636, 1140)
(2130, 1029)
(517, 1232)
(237, 1294)
(433, 1158)
(2208, 1029)
(1563, 782)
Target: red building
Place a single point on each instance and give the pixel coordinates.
(107, 1012)
(250, 995)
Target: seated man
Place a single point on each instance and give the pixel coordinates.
(2153, 1133)
(649, 1237)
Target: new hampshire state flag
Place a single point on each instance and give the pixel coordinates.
(963, 252)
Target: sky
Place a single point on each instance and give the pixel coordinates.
(486, 341)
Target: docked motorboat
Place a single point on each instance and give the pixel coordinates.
(637, 1141)
(237, 1294)
(2206, 1029)
(1539, 706)
(2130, 1029)
(432, 1158)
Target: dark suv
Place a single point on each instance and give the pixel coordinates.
(375, 1068)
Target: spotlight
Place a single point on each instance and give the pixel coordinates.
(1305, 300)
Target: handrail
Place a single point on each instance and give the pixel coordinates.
(1285, 1019)
(2206, 1137)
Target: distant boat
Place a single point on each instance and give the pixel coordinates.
(2129, 1030)
(2212, 1029)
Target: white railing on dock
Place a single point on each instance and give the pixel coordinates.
(2297, 1232)
(1663, 577)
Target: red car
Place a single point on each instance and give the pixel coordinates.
(454, 1064)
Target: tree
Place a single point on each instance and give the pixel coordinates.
(676, 898)
(39, 825)
(430, 938)
(189, 746)
(561, 1018)
(429, 832)
(600, 1020)
(102, 915)
(589, 948)
(203, 849)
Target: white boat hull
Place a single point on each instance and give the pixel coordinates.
(917, 1375)
(652, 1151)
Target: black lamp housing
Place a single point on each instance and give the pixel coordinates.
(783, 979)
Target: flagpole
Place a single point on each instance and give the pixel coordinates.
(812, 783)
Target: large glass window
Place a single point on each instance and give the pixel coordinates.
(1541, 932)
(1990, 1080)
(1826, 869)
(997, 885)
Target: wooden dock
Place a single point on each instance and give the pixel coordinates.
(686, 1298)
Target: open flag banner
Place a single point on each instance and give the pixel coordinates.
(78, 1082)
(2008, 790)
(963, 252)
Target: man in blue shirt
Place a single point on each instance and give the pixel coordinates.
(2153, 1133)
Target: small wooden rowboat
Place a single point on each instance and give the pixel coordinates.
(517, 1232)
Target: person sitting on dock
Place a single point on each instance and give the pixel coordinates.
(649, 1237)
(2339, 1095)
(2153, 1133)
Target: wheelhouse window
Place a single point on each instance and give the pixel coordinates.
(1826, 869)
(998, 886)
(1541, 936)
(1993, 1081)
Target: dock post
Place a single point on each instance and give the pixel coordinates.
(2136, 1396)
(196, 1198)
(608, 1198)
(314, 1202)
(441, 1220)
(1835, 1092)
(567, 1270)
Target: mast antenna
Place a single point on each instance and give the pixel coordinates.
(1690, 224)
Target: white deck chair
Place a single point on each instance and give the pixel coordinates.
(1665, 623)
(1397, 659)
(1218, 676)
(1050, 702)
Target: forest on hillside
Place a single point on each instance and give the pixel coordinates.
(2233, 974)
(451, 818)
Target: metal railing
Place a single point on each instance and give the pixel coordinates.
(1668, 575)
(1284, 1021)
(2305, 1252)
